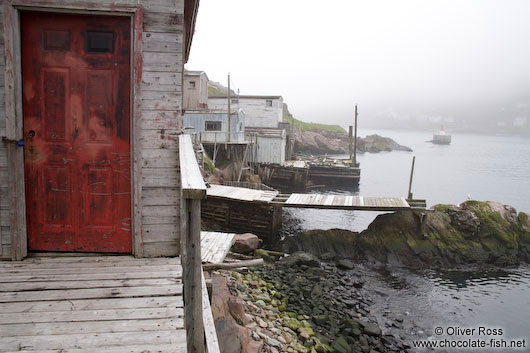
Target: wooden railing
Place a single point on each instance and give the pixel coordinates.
(193, 190)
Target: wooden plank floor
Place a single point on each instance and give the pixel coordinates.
(240, 194)
(215, 246)
(346, 202)
(91, 304)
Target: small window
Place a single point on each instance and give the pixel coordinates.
(234, 101)
(268, 103)
(191, 85)
(212, 126)
(99, 42)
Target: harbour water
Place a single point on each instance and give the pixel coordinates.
(480, 167)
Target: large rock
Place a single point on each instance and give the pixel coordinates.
(446, 236)
(300, 258)
(245, 243)
(233, 338)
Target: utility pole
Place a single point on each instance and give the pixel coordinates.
(355, 140)
(228, 95)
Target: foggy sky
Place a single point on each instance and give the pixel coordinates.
(419, 58)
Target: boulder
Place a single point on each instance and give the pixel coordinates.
(245, 243)
(236, 307)
(300, 258)
(233, 338)
(345, 264)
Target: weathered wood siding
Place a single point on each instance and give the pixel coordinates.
(161, 100)
(5, 234)
(257, 113)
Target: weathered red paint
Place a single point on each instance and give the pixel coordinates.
(76, 104)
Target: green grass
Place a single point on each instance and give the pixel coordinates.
(214, 91)
(311, 126)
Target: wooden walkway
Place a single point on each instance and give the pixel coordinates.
(339, 202)
(215, 246)
(91, 304)
(240, 194)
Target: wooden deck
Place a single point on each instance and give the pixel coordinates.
(91, 304)
(339, 202)
(240, 194)
(215, 246)
(346, 202)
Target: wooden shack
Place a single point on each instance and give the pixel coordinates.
(90, 106)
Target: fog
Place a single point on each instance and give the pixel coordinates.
(463, 63)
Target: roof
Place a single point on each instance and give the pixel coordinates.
(191, 8)
(195, 73)
(247, 97)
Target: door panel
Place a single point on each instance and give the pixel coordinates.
(76, 106)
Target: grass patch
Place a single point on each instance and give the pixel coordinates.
(287, 116)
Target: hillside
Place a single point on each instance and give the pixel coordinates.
(287, 116)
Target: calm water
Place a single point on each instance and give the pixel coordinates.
(488, 168)
(480, 167)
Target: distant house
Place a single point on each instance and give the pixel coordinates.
(212, 126)
(260, 111)
(195, 90)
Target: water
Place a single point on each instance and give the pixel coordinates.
(487, 168)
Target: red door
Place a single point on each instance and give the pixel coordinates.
(76, 104)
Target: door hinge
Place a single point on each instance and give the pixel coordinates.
(18, 143)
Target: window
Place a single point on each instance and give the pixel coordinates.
(268, 103)
(233, 101)
(191, 85)
(99, 42)
(212, 126)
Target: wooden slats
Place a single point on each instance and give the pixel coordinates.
(215, 246)
(345, 202)
(240, 194)
(92, 304)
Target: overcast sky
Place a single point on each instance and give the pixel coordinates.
(390, 57)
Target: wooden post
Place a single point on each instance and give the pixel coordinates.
(355, 140)
(411, 175)
(228, 95)
(350, 133)
(193, 190)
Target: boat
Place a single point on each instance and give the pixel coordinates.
(441, 138)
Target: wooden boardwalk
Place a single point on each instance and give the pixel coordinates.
(240, 194)
(339, 202)
(91, 304)
(215, 246)
(342, 202)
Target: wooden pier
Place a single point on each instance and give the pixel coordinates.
(240, 209)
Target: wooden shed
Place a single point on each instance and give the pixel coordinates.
(90, 106)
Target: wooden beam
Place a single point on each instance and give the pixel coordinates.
(192, 183)
(212, 344)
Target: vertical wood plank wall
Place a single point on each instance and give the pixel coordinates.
(161, 92)
(5, 234)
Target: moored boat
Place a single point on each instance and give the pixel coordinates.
(441, 138)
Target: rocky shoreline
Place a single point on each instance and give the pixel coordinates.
(301, 304)
(339, 293)
(474, 233)
(328, 142)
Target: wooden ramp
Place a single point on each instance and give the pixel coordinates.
(342, 202)
(338, 202)
(91, 304)
(240, 194)
(215, 246)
